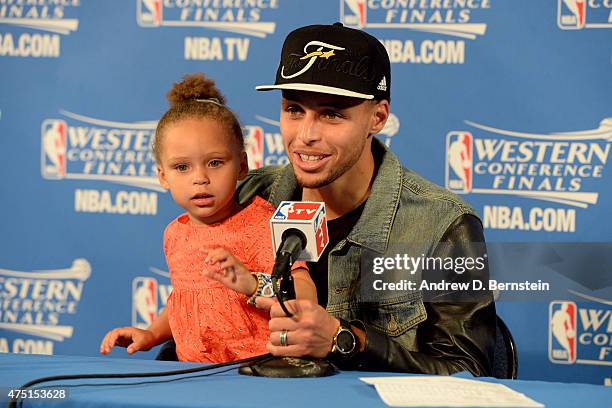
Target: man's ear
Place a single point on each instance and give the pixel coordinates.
(379, 116)
(162, 178)
(244, 166)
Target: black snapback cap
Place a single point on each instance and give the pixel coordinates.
(334, 59)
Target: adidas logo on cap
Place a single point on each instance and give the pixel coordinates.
(382, 85)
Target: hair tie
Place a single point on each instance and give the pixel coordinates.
(211, 100)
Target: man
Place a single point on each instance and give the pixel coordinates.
(335, 84)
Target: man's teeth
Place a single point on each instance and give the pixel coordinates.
(306, 157)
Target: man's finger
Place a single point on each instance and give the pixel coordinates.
(282, 323)
(291, 338)
(277, 310)
(286, 351)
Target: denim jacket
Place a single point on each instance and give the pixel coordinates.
(403, 333)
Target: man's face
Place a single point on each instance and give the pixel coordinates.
(325, 136)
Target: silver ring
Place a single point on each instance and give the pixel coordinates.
(283, 338)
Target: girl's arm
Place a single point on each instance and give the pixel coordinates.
(234, 275)
(136, 339)
(161, 328)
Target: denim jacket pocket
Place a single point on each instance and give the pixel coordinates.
(395, 316)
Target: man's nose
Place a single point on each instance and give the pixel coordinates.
(309, 131)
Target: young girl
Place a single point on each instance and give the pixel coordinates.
(211, 249)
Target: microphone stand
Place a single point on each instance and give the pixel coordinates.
(287, 367)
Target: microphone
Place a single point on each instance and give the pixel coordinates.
(292, 243)
(303, 221)
(299, 232)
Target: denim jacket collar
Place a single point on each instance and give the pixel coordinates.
(284, 186)
(374, 226)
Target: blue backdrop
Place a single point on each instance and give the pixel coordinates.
(508, 103)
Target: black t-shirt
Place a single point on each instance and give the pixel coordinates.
(338, 229)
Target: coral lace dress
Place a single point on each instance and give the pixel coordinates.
(209, 322)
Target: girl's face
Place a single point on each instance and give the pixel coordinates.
(201, 163)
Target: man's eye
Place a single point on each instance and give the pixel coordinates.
(181, 167)
(292, 110)
(215, 163)
(331, 115)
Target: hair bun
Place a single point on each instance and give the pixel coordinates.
(192, 87)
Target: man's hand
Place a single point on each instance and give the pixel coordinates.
(131, 337)
(310, 331)
(228, 270)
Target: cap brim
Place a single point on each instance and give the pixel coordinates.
(315, 88)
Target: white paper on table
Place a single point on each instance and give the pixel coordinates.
(440, 391)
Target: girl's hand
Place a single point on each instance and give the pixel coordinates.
(131, 337)
(228, 270)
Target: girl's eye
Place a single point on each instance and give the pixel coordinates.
(215, 163)
(181, 167)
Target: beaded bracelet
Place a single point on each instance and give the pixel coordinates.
(264, 287)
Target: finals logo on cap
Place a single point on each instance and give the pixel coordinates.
(336, 60)
(323, 50)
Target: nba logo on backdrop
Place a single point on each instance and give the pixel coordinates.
(144, 301)
(584, 14)
(562, 332)
(253, 141)
(149, 13)
(571, 14)
(53, 160)
(353, 13)
(459, 162)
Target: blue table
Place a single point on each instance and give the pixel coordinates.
(229, 389)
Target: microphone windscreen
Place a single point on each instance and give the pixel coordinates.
(307, 217)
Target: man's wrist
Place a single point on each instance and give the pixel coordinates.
(361, 338)
(345, 343)
(333, 336)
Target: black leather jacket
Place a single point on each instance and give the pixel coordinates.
(458, 334)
